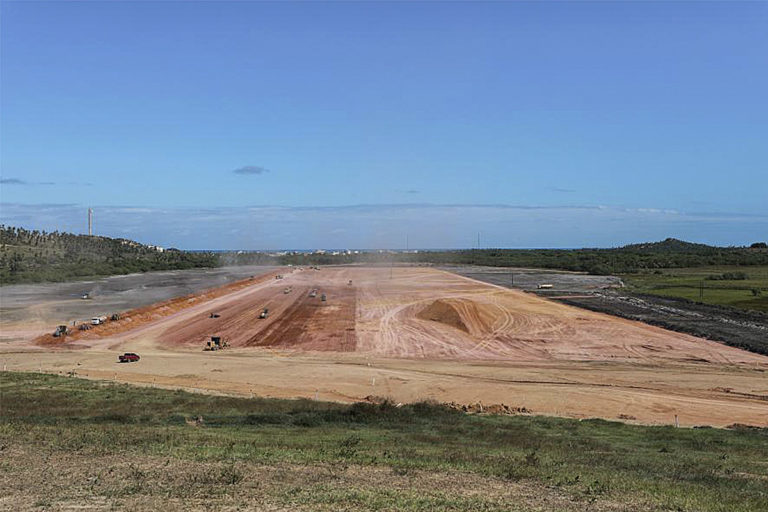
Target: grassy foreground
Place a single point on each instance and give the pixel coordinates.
(68, 442)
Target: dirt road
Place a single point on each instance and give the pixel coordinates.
(28, 310)
(419, 333)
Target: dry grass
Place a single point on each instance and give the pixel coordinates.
(73, 444)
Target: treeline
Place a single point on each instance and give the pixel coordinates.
(35, 256)
(669, 253)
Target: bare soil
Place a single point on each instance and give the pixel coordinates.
(736, 327)
(732, 326)
(29, 310)
(396, 333)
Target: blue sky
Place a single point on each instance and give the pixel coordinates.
(352, 124)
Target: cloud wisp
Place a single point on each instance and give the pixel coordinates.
(16, 181)
(250, 170)
(427, 226)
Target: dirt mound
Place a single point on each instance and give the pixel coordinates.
(445, 312)
(495, 409)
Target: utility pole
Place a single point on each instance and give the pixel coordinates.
(90, 221)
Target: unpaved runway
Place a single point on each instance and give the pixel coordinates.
(419, 333)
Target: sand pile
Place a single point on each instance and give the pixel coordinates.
(445, 312)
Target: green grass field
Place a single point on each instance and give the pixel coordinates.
(693, 284)
(67, 442)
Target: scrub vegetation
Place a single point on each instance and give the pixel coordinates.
(68, 441)
(635, 258)
(744, 288)
(37, 256)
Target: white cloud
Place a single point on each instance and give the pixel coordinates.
(386, 226)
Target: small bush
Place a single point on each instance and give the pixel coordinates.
(728, 276)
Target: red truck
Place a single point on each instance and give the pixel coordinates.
(128, 357)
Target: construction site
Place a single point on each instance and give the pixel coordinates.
(408, 334)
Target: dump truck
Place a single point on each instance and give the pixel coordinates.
(264, 313)
(61, 330)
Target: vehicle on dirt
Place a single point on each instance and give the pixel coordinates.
(215, 343)
(98, 320)
(128, 357)
(264, 314)
(214, 315)
(61, 331)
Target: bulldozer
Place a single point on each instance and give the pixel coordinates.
(215, 343)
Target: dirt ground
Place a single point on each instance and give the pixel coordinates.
(606, 294)
(419, 333)
(28, 310)
(733, 326)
